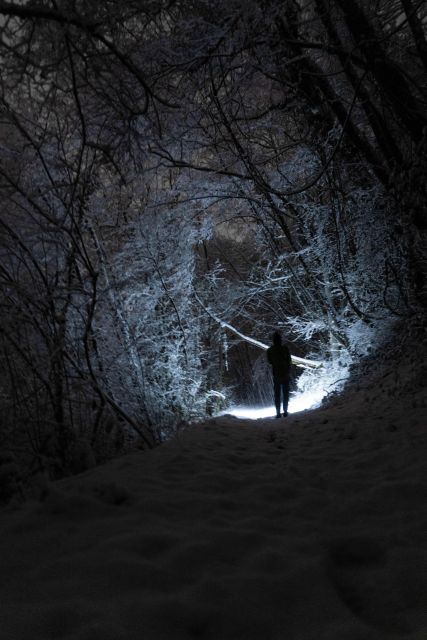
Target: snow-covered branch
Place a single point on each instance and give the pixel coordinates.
(299, 362)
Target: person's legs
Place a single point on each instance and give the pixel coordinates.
(277, 385)
(285, 392)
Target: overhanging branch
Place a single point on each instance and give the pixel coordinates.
(304, 363)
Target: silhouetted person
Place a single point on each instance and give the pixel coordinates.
(279, 357)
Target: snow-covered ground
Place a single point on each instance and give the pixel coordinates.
(312, 527)
(297, 402)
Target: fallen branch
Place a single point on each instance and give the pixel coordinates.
(299, 362)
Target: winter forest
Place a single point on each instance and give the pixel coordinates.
(178, 179)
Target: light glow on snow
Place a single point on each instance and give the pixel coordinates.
(299, 402)
(312, 386)
(304, 400)
(251, 413)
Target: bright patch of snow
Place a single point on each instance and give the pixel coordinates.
(298, 402)
(251, 413)
(312, 387)
(307, 399)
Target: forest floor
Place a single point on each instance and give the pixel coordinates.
(312, 527)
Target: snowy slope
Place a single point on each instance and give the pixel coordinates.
(309, 528)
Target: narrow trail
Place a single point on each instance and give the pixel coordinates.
(312, 527)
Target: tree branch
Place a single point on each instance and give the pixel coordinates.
(304, 363)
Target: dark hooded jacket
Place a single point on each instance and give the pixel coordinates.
(280, 359)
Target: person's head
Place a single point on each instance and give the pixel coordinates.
(277, 339)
